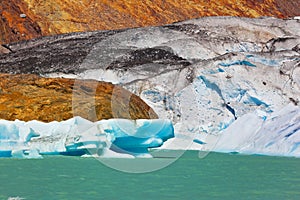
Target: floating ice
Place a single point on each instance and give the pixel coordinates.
(78, 136)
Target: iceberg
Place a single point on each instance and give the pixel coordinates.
(78, 137)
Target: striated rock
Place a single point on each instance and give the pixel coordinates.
(64, 16)
(30, 97)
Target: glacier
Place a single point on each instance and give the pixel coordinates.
(228, 84)
(78, 136)
(221, 80)
(255, 133)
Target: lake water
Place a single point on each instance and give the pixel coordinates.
(217, 176)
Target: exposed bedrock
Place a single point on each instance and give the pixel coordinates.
(30, 97)
(27, 19)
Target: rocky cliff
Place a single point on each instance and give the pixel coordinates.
(30, 97)
(25, 19)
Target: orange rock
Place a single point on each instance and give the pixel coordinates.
(13, 27)
(30, 97)
(64, 16)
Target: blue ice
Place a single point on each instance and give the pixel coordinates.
(77, 136)
(238, 62)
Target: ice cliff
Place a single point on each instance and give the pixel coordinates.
(225, 82)
(278, 134)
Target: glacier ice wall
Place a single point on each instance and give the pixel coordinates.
(208, 74)
(278, 134)
(228, 66)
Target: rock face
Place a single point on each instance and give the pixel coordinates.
(64, 16)
(30, 97)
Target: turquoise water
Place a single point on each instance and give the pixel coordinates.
(217, 176)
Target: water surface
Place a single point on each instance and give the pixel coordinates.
(217, 176)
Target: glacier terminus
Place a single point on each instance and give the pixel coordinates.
(223, 84)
